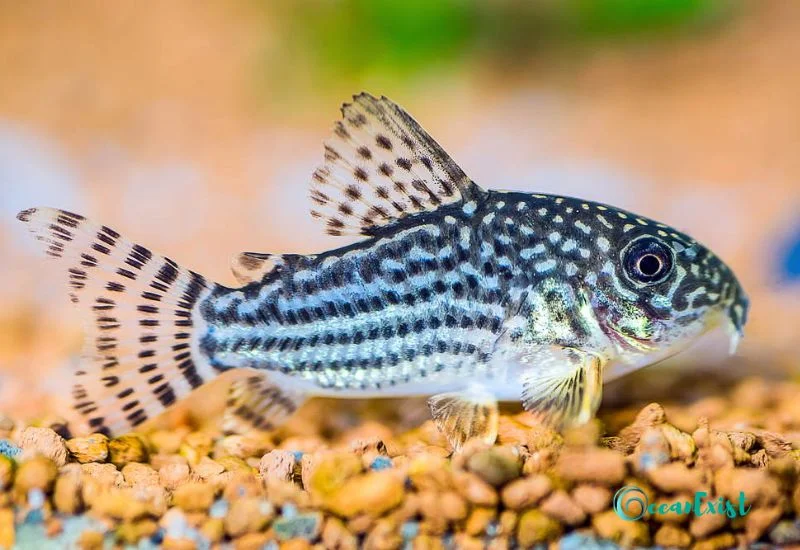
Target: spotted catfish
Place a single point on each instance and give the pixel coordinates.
(465, 294)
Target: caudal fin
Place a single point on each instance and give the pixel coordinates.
(141, 352)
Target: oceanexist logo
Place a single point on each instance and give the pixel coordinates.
(631, 503)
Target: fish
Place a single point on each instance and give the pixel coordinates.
(468, 295)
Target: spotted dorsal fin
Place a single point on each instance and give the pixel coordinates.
(380, 166)
(250, 267)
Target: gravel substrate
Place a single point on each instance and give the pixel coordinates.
(375, 487)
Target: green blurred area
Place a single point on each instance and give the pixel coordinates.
(328, 41)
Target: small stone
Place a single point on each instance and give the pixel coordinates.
(535, 527)
(247, 445)
(676, 477)
(384, 534)
(759, 520)
(195, 446)
(560, 506)
(701, 527)
(120, 504)
(452, 506)
(258, 541)
(67, 492)
(526, 492)
(592, 465)
(167, 442)
(306, 526)
(173, 475)
(785, 532)
(328, 472)
(496, 465)
(44, 442)
(479, 519)
(719, 542)
(90, 540)
(372, 493)
(277, 465)
(138, 474)
(213, 529)
(7, 531)
(248, 515)
(585, 435)
(591, 498)
(474, 489)
(126, 448)
(7, 468)
(625, 533)
(672, 536)
(37, 473)
(92, 448)
(207, 467)
(336, 536)
(176, 543)
(194, 497)
(105, 475)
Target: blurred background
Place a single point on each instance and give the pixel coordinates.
(193, 127)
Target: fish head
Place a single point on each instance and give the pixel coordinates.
(657, 291)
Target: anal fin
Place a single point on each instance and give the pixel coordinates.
(465, 415)
(562, 386)
(255, 403)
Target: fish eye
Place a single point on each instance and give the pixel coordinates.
(647, 260)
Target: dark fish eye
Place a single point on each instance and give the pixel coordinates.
(647, 260)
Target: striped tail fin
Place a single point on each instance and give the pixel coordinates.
(143, 326)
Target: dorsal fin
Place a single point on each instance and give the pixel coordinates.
(250, 267)
(380, 166)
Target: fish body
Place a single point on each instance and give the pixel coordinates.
(472, 295)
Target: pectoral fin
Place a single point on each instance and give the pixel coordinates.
(256, 403)
(562, 386)
(465, 415)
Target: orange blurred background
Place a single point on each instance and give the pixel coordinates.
(193, 127)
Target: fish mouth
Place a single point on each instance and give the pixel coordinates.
(626, 342)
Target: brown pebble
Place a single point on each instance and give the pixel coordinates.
(7, 467)
(759, 520)
(593, 465)
(453, 507)
(707, 524)
(335, 536)
(37, 473)
(718, 542)
(535, 527)
(92, 448)
(213, 529)
(248, 515)
(138, 474)
(758, 487)
(526, 492)
(383, 535)
(172, 543)
(90, 540)
(474, 489)
(496, 466)
(44, 442)
(195, 446)
(479, 519)
(277, 465)
(585, 435)
(172, 475)
(672, 536)
(7, 528)
(676, 477)
(329, 471)
(650, 416)
(120, 504)
(194, 497)
(208, 467)
(67, 492)
(561, 507)
(609, 525)
(291, 544)
(255, 541)
(463, 541)
(591, 498)
(373, 493)
(247, 445)
(167, 442)
(126, 448)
